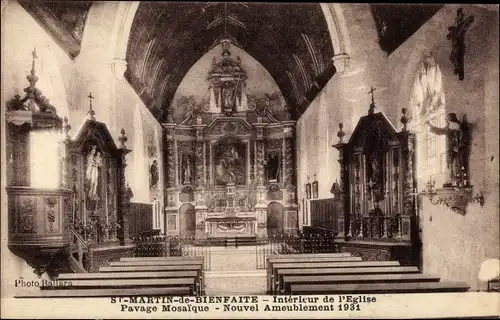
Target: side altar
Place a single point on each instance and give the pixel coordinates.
(229, 160)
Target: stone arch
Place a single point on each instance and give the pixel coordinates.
(275, 219)
(108, 26)
(337, 28)
(187, 220)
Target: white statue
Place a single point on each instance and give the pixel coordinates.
(94, 161)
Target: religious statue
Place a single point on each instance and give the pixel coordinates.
(187, 169)
(373, 154)
(457, 143)
(273, 165)
(94, 162)
(154, 176)
(456, 35)
(191, 108)
(228, 95)
(264, 109)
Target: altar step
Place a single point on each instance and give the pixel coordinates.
(232, 241)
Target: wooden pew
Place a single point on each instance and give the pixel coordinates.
(354, 279)
(182, 258)
(157, 263)
(282, 264)
(153, 268)
(146, 269)
(280, 273)
(195, 274)
(122, 284)
(121, 292)
(128, 275)
(309, 255)
(379, 288)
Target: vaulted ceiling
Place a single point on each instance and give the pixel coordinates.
(290, 40)
(397, 22)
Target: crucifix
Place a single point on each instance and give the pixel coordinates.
(91, 112)
(372, 105)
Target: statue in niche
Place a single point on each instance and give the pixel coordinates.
(273, 166)
(228, 97)
(374, 175)
(94, 163)
(457, 145)
(186, 164)
(154, 176)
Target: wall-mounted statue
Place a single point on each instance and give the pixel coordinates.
(457, 147)
(154, 176)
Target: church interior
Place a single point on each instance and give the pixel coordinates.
(249, 135)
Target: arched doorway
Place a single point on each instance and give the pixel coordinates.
(187, 220)
(274, 219)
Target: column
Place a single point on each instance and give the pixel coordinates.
(343, 185)
(169, 164)
(124, 191)
(407, 140)
(200, 206)
(260, 207)
(260, 163)
(65, 172)
(289, 177)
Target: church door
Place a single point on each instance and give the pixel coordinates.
(274, 219)
(187, 220)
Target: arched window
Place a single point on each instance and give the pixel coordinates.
(428, 104)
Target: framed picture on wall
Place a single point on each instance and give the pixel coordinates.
(315, 189)
(308, 191)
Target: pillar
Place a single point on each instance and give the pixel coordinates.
(200, 206)
(124, 191)
(290, 208)
(170, 173)
(343, 185)
(260, 207)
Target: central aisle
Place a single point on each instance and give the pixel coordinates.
(234, 272)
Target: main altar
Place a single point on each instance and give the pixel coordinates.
(229, 160)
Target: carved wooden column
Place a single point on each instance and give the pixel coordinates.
(408, 216)
(259, 145)
(169, 163)
(260, 206)
(65, 174)
(125, 193)
(200, 173)
(344, 182)
(291, 214)
(200, 206)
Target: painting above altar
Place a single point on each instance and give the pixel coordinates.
(229, 160)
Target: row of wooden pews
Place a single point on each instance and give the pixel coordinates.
(341, 273)
(163, 276)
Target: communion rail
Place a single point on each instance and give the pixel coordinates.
(160, 245)
(277, 244)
